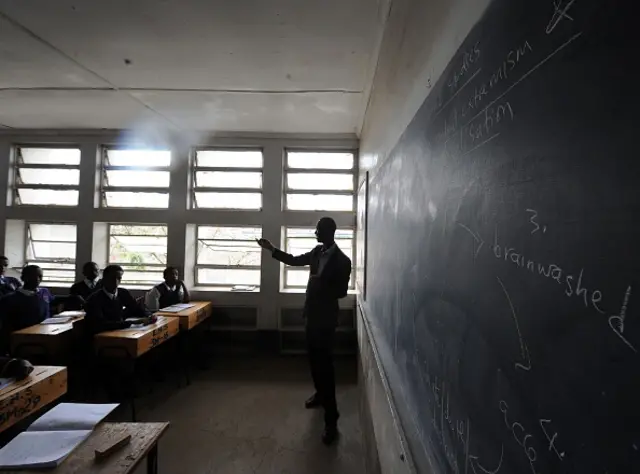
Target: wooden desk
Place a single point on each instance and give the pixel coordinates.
(190, 318)
(45, 339)
(20, 399)
(144, 442)
(134, 342)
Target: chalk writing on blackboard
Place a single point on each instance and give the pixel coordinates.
(520, 434)
(532, 219)
(524, 350)
(476, 464)
(551, 439)
(560, 12)
(616, 322)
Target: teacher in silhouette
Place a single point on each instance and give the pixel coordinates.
(329, 274)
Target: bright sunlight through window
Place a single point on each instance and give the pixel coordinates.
(53, 248)
(227, 179)
(141, 250)
(298, 241)
(136, 178)
(228, 258)
(46, 176)
(319, 181)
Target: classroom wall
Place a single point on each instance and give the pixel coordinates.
(420, 38)
(242, 312)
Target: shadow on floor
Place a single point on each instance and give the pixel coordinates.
(246, 415)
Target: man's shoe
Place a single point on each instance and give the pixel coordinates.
(313, 402)
(329, 435)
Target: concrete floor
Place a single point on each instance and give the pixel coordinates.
(247, 415)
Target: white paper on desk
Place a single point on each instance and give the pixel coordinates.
(72, 314)
(58, 320)
(5, 382)
(72, 416)
(40, 449)
(176, 308)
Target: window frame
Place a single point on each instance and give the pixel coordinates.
(126, 265)
(221, 286)
(28, 240)
(194, 188)
(284, 269)
(106, 188)
(286, 190)
(15, 176)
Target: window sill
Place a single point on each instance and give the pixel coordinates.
(218, 289)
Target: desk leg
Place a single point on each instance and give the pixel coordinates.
(152, 460)
(184, 356)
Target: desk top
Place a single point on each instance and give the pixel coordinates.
(124, 461)
(191, 317)
(19, 399)
(49, 329)
(134, 342)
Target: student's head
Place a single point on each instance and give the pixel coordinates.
(90, 270)
(4, 264)
(325, 230)
(111, 277)
(31, 276)
(171, 275)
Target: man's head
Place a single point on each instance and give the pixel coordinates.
(31, 276)
(111, 277)
(325, 230)
(90, 270)
(4, 264)
(171, 276)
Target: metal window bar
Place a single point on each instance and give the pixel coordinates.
(210, 243)
(44, 262)
(320, 191)
(143, 267)
(20, 164)
(204, 189)
(106, 187)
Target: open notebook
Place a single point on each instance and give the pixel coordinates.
(53, 436)
(176, 308)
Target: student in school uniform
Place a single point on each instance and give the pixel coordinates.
(89, 284)
(112, 307)
(27, 306)
(172, 291)
(8, 284)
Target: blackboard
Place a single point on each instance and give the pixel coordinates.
(502, 288)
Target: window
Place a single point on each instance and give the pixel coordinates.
(53, 248)
(319, 181)
(302, 240)
(227, 179)
(46, 176)
(228, 257)
(141, 250)
(136, 178)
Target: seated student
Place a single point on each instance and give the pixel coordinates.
(108, 308)
(27, 306)
(18, 369)
(91, 282)
(8, 284)
(172, 291)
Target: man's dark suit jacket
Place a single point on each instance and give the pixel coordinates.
(323, 290)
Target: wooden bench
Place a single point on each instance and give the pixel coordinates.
(21, 398)
(134, 342)
(144, 443)
(191, 317)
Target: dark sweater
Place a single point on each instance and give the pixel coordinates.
(8, 285)
(106, 314)
(325, 287)
(19, 310)
(168, 297)
(81, 289)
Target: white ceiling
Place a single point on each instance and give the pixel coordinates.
(279, 66)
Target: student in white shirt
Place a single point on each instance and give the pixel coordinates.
(171, 291)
